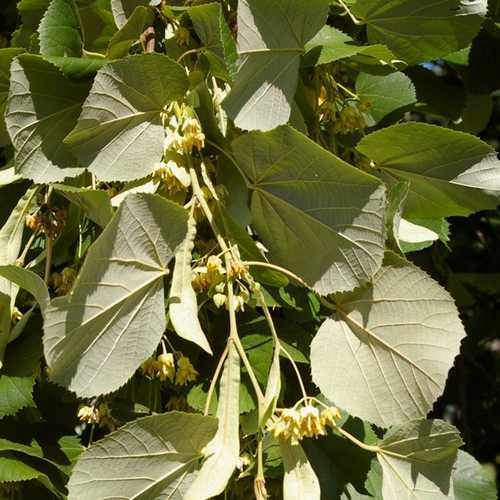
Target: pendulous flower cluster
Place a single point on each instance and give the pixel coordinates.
(295, 424)
(164, 367)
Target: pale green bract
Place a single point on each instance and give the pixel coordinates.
(152, 457)
(385, 355)
(417, 460)
(450, 172)
(271, 39)
(42, 108)
(119, 135)
(224, 449)
(302, 193)
(421, 30)
(300, 480)
(183, 304)
(96, 337)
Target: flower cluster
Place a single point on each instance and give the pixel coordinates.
(99, 415)
(164, 367)
(208, 276)
(293, 424)
(183, 133)
(172, 177)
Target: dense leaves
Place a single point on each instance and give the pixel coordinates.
(212, 268)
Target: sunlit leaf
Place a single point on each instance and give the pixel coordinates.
(119, 134)
(385, 355)
(152, 457)
(96, 337)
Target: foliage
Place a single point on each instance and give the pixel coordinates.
(208, 278)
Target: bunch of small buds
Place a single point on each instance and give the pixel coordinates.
(185, 371)
(99, 415)
(294, 424)
(63, 282)
(182, 36)
(183, 132)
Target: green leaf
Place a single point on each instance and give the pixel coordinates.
(420, 30)
(15, 393)
(11, 236)
(271, 38)
(13, 469)
(183, 305)
(29, 281)
(96, 337)
(300, 480)
(450, 172)
(119, 45)
(94, 202)
(42, 108)
(417, 234)
(152, 457)
(6, 57)
(417, 460)
(331, 44)
(61, 40)
(31, 12)
(385, 94)
(301, 192)
(123, 9)
(224, 449)
(210, 25)
(470, 481)
(119, 135)
(393, 341)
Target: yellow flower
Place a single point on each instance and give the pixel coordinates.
(310, 423)
(193, 137)
(219, 300)
(185, 371)
(165, 367)
(149, 367)
(330, 416)
(89, 414)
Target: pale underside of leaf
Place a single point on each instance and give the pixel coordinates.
(97, 337)
(153, 457)
(385, 356)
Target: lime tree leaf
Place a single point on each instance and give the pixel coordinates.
(417, 234)
(417, 460)
(302, 193)
(119, 45)
(123, 9)
(300, 480)
(97, 24)
(419, 30)
(385, 94)
(470, 481)
(271, 38)
(450, 172)
(119, 134)
(13, 469)
(152, 457)
(224, 449)
(6, 56)
(96, 203)
(15, 393)
(210, 25)
(273, 387)
(394, 341)
(183, 306)
(330, 45)
(41, 110)
(31, 12)
(96, 337)
(61, 40)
